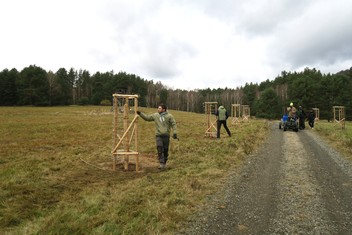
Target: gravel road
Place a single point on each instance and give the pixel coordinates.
(294, 184)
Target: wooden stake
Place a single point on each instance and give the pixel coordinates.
(339, 116)
(210, 109)
(123, 146)
(235, 113)
(246, 112)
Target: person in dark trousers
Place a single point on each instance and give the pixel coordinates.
(164, 122)
(222, 115)
(311, 118)
(302, 118)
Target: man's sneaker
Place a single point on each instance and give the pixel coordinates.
(162, 166)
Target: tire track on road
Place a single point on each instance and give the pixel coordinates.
(294, 184)
(300, 208)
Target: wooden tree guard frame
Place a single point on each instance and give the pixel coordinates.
(123, 144)
(339, 115)
(316, 113)
(246, 112)
(211, 124)
(235, 113)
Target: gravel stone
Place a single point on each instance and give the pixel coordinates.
(294, 184)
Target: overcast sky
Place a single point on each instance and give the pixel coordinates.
(185, 44)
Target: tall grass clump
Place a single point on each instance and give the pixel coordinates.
(56, 177)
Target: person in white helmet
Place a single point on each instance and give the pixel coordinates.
(291, 111)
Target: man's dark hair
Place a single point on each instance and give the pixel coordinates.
(163, 106)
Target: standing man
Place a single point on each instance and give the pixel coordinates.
(163, 124)
(222, 115)
(311, 118)
(302, 118)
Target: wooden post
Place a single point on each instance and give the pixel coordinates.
(339, 115)
(211, 125)
(235, 113)
(136, 134)
(126, 111)
(116, 113)
(316, 113)
(125, 130)
(246, 112)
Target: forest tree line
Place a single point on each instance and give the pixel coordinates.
(309, 88)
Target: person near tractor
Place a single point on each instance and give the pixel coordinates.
(291, 111)
(222, 116)
(302, 117)
(164, 122)
(311, 118)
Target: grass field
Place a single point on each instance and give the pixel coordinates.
(340, 138)
(56, 177)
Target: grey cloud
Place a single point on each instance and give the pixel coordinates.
(300, 32)
(264, 17)
(322, 37)
(162, 57)
(152, 52)
(251, 17)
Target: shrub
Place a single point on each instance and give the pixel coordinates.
(105, 103)
(83, 101)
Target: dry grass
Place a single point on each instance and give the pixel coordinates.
(46, 188)
(340, 138)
